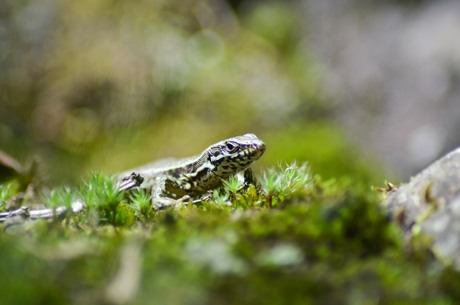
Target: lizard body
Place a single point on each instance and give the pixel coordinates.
(195, 176)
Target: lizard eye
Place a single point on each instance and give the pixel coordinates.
(230, 147)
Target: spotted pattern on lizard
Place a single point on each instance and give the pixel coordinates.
(194, 177)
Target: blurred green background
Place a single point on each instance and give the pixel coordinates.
(108, 85)
(358, 88)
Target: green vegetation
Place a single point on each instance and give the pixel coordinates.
(108, 85)
(294, 239)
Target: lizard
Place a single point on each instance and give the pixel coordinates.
(175, 181)
(194, 177)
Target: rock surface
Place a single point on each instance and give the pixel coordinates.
(431, 202)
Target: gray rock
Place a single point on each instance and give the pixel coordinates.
(430, 202)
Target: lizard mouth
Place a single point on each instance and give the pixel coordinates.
(252, 153)
(257, 150)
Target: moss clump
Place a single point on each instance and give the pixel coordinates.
(300, 240)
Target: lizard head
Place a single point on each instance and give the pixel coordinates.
(233, 155)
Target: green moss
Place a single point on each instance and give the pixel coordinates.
(323, 242)
(62, 196)
(102, 198)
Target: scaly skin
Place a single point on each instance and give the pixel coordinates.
(196, 176)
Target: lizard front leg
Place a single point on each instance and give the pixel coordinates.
(250, 178)
(129, 182)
